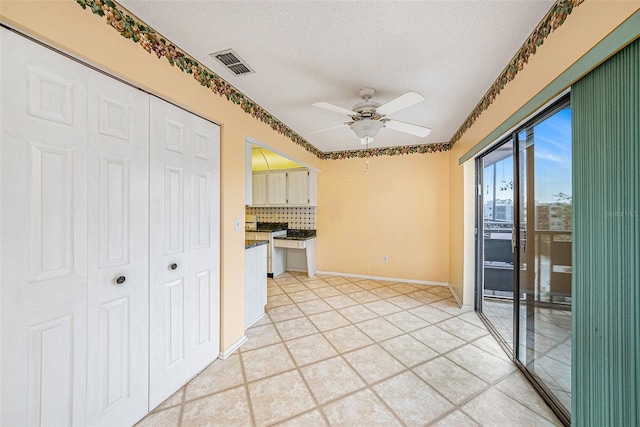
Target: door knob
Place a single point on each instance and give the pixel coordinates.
(120, 280)
(173, 266)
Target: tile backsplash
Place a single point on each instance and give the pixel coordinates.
(301, 218)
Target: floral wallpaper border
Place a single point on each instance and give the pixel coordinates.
(130, 27)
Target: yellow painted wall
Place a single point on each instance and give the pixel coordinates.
(65, 25)
(584, 28)
(400, 209)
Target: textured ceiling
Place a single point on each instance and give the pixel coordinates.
(308, 51)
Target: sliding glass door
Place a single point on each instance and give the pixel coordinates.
(497, 212)
(527, 252)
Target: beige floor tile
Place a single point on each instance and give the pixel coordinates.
(379, 329)
(357, 313)
(517, 387)
(340, 301)
(401, 393)
(425, 296)
(406, 321)
(309, 419)
(473, 318)
(327, 292)
(349, 288)
(404, 288)
(175, 399)
(314, 307)
(228, 408)
(382, 307)
(462, 329)
(331, 379)
(337, 280)
(260, 363)
(359, 410)
(453, 382)
(405, 302)
(278, 301)
(310, 349)
(220, 375)
(430, 314)
(347, 338)
(385, 292)
(493, 408)
(287, 281)
(450, 307)
(315, 283)
(484, 365)
(328, 320)
(286, 312)
(373, 363)
(295, 328)
(279, 398)
(293, 287)
(489, 344)
(303, 296)
(408, 350)
(439, 340)
(274, 290)
(264, 320)
(364, 297)
(260, 336)
(369, 284)
(167, 418)
(456, 419)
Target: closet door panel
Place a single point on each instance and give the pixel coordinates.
(205, 243)
(43, 274)
(170, 279)
(118, 178)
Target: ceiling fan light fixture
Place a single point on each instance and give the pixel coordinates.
(366, 128)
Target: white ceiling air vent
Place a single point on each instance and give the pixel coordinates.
(230, 59)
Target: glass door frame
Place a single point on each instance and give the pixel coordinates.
(563, 415)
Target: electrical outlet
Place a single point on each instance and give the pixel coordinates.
(385, 258)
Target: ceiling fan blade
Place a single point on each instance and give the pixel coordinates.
(412, 129)
(400, 103)
(327, 129)
(335, 108)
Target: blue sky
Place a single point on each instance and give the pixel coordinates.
(552, 149)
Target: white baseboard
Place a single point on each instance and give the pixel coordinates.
(228, 352)
(388, 279)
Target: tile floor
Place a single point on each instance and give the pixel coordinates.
(352, 352)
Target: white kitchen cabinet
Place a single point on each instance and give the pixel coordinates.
(259, 189)
(287, 187)
(277, 188)
(255, 276)
(301, 187)
(276, 257)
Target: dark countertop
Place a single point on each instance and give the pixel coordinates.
(248, 244)
(298, 235)
(271, 226)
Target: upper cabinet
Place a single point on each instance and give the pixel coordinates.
(290, 187)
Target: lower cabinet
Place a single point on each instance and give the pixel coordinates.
(92, 223)
(255, 276)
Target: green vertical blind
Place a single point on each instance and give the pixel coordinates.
(606, 250)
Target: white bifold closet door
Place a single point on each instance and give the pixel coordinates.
(74, 219)
(43, 270)
(118, 194)
(184, 247)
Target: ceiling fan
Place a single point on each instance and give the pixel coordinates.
(368, 117)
